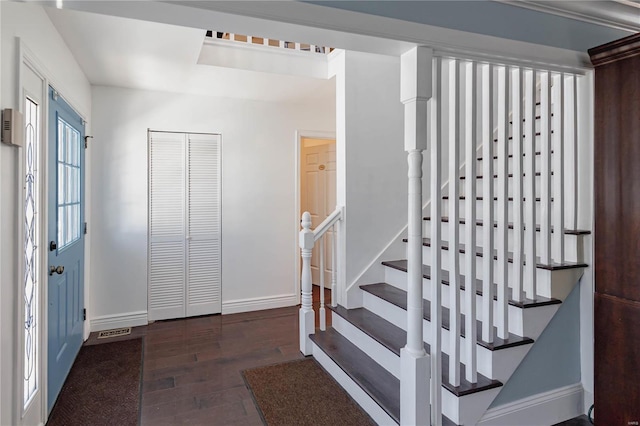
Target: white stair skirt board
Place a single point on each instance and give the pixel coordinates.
(259, 303)
(360, 396)
(522, 322)
(467, 409)
(109, 322)
(498, 365)
(545, 408)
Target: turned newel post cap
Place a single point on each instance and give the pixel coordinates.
(306, 234)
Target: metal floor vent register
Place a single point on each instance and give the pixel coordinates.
(114, 333)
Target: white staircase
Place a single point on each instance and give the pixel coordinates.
(495, 236)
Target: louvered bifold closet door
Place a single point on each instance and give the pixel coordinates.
(203, 236)
(167, 225)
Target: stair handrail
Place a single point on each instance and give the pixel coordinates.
(326, 224)
(308, 238)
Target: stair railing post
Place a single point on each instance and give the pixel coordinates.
(415, 92)
(307, 316)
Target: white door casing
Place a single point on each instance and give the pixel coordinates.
(318, 194)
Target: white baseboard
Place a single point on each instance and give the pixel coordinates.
(130, 319)
(545, 408)
(258, 303)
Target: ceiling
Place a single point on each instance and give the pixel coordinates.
(122, 52)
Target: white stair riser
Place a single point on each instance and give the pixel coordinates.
(573, 244)
(510, 184)
(360, 396)
(509, 163)
(522, 322)
(398, 317)
(452, 407)
(462, 206)
(377, 352)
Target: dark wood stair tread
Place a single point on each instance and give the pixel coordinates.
(398, 297)
(394, 338)
(401, 265)
(523, 136)
(382, 386)
(479, 222)
(495, 157)
(495, 176)
(479, 252)
(481, 198)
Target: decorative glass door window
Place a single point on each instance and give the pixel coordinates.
(31, 242)
(69, 146)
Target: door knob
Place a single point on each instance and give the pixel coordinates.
(56, 270)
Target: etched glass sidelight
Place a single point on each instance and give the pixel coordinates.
(31, 242)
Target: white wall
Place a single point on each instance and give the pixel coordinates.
(372, 163)
(259, 249)
(55, 61)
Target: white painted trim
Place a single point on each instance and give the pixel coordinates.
(586, 11)
(544, 408)
(259, 303)
(130, 319)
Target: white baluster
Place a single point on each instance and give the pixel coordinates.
(530, 183)
(334, 249)
(470, 137)
(250, 39)
(323, 314)
(282, 44)
(454, 224)
(265, 41)
(558, 167)
(297, 46)
(487, 203)
(518, 184)
(307, 316)
(502, 314)
(232, 37)
(436, 242)
(575, 151)
(545, 168)
(415, 91)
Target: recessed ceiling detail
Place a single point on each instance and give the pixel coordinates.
(253, 41)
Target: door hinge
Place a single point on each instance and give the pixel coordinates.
(84, 314)
(85, 228)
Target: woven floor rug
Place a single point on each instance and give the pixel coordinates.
(103, 386)
(302, 393)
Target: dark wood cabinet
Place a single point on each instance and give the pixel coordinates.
(617, 232)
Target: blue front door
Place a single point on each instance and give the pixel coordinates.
(65, 241)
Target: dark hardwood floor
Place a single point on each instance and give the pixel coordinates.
(192, 367)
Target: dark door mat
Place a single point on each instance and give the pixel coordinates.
(301, 393)
(103, 386)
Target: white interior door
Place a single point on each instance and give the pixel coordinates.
(318, 195)
(184, 225)
(167, 225)
(204, 227)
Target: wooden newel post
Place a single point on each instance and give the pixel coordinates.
(307, 316)
(415, 91)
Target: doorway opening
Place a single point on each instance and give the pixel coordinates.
(317, 195)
